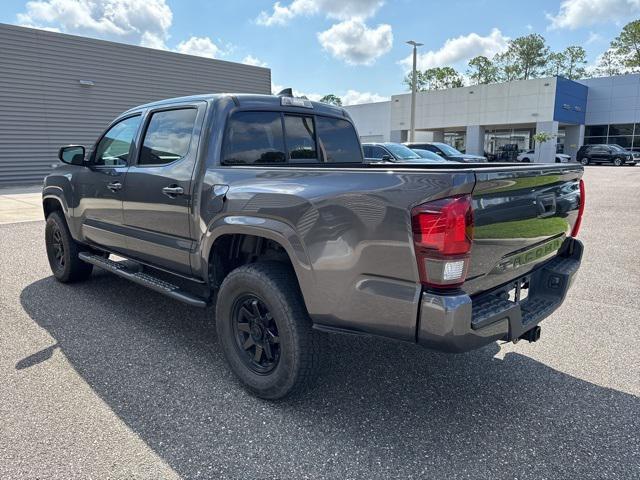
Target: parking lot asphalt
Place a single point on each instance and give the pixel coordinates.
(105, 379)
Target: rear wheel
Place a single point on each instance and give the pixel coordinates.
(63, 250)
(526, 160)
(265, 331)
(584, 161)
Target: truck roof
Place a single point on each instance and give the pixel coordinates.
(248, 100)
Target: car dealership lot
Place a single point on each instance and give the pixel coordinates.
(107, 379)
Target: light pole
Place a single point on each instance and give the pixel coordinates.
(412, 127)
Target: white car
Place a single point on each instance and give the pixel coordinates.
(530, 156)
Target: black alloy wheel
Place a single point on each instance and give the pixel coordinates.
(256, 334)
(57, 246)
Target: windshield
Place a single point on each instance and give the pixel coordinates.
(618, 148)
(447, 149)
(400, 151)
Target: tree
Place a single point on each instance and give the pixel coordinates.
(436, 78)
(556, 64)
(540, 138)
(576, 59)
(508, 69)
(482, 70)
(439, 78)
(332, 99)
(529, 53)
(608, 64)
(421, 84)
(627, 45)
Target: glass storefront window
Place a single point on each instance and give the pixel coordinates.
(623, 141)
(456, 139)
(596, 131)
(623, 129)
(594, 140)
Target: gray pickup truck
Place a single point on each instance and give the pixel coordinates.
(263, 207)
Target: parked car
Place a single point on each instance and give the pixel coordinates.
(530, 156)
(601, 153)
(388, 152)
(263, 207)
(446, 151)
(428, 156)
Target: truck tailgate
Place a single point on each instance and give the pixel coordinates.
(522, 216)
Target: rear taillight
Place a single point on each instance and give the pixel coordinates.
(576, 226)
(442, 236)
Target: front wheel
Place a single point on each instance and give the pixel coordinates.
(617, 162)
(63, 250)
(265, 331)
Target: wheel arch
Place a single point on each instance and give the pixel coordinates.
(254, 239)
(51, 203)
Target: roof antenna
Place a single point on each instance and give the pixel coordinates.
(285, 92)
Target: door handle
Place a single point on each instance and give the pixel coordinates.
(173, 191)
(114, 186)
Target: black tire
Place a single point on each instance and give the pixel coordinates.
(63, 250)
(618, 162)
(584, 161)
(273, 290)
(526, 160)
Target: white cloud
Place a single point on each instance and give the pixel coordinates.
(251, 60)
(593, 37)
(460, 48)
(353, 97)
(130, 21)
(340, 9)
(580, 13)
(355, 43)
(200, 46)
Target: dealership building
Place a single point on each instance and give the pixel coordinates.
(58, 89)
(500, 119)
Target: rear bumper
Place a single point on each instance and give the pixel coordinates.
(459, 323)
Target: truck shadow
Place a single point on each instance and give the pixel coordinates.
(379, 409)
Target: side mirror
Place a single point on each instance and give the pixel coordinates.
(386, 158)
(72, 154)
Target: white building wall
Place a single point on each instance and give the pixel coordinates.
(372, 120)
(525, 101)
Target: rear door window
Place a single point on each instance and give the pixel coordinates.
(168, 136)
(337, 141)
(254, 138)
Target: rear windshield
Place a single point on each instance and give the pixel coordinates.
(275, 138)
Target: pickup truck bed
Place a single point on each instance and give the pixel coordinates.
(442, 255)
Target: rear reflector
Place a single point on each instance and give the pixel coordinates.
(442, 236)
(576, 226)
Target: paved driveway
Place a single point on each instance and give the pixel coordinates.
(107, 380)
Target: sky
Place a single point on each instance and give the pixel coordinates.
(352, 48)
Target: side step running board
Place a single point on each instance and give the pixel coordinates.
(143, 279)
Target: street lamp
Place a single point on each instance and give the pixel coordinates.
(412, 127)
